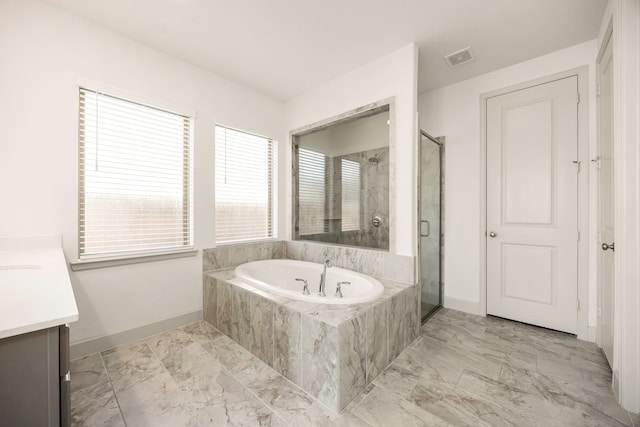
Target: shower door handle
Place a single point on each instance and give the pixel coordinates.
(422, 234)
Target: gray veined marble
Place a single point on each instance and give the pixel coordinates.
(320, 361)
(96, 406)
(232, 255)
(209, 300)
(377, 348)
(87, 371)
(261, 338)
(287, 357)
(322, 348)
(462, 377)
(240, 321)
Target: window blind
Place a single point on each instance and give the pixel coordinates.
(351, 218)
(245, 186)
(312, 191)
(135, 178)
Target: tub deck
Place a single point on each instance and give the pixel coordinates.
(331, 351)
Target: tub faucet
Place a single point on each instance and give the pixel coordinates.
(339, 288)
(323, 277)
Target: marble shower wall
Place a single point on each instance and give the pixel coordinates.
(332, 352)
(374, 201)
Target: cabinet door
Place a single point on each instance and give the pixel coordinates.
(30, 379)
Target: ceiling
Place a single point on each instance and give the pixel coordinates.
(283, 48)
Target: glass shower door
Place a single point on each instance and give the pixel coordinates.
(430, 223)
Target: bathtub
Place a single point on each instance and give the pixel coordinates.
(278, 276)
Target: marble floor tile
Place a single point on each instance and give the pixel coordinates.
(156, 402)
(87, 371)
(509, 397)
(385, 409)
(180, 355)
(463, 370)
(95, 406)
(284, 398)
(201, 332)
(319, 416)
(229, 353)
(455, 406)
(222, 401)
(127, 366)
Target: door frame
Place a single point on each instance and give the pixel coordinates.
(624, 17)
(606, 42)
(440, 141)
(583, 189)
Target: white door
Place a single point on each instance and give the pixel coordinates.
(532, 195)
(605, 202)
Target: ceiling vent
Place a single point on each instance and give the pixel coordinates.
(459, 57)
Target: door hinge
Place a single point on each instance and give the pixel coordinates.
(598, 90)
(578, 304)
(578, 98)
(599, 311)
(578, 235)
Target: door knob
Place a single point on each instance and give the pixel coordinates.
(492, 234)
(606, 246)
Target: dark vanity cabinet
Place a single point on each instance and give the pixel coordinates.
(34, 379)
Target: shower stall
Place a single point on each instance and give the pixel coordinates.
(430, 242)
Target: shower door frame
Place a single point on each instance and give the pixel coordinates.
(439, 141)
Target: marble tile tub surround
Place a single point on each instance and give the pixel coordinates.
(446, 377)
(332, 352)
(379, 264)
(234, 255)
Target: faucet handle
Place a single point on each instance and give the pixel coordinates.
(305, 288)
(339, 289)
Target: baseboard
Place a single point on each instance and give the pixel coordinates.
(467, 306)
(95, 345)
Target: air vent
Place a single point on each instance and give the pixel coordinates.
(459, 57)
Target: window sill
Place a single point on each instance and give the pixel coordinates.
(132, 259)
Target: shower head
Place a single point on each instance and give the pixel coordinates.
(375, 159)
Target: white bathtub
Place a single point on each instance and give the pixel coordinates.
(278, 276)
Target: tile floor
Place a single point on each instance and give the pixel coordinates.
(462, 370)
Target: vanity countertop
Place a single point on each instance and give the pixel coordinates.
(35, 289)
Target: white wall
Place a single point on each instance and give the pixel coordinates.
(454, 112)
(45, 53)
(394, 75)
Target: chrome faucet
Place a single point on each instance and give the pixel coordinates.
(323, 277)
(305, 288)
(339, 288)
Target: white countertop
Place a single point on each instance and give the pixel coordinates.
(35, 290)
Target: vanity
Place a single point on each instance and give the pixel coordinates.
(36, 305)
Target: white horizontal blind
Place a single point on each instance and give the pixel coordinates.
(135, 178)
(351, 218)
(312, 192)
(245, 187)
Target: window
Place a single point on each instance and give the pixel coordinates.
(135, 178)
(245, 186)
(351, 218)
(311, 191)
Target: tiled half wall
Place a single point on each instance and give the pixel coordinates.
(376, 263)
(331, 351)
